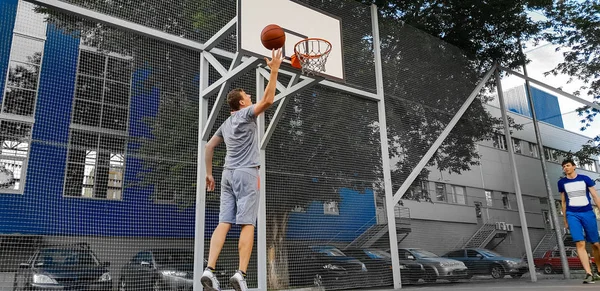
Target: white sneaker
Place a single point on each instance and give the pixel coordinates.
(209, 281)
(238, 281)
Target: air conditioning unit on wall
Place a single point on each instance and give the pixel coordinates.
(510, 227)
(501, 225)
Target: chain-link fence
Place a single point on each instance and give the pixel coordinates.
(99, 159)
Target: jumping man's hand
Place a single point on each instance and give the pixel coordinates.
(276, 59)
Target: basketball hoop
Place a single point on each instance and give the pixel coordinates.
(311, 53)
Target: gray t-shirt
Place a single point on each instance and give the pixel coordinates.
(239, 132)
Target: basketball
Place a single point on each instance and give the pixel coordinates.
(272, 36)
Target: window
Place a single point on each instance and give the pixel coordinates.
(505, 200)
(488, 198)
(591, 166)
(548, 154)
(517, 145)
(478, 209)
(553, 155)
(96, 164)
(331, 208)
(547, 219)
(533, 150)
(457, 195)
(456, 254)
(543, 201)
(425, 191)
(403, 254)
(19, 96)
(16, 140)
(499, 141)
(299, 209)
(558, 205)
(472, 253)
(420, 191)
(440, 191)
(143, 257)
(99, 125)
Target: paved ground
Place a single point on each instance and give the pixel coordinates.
(511, 285)
(551, 283)
(485, 283)
(503, 285)
(556, 285)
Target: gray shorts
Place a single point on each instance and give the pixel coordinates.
(239, 196)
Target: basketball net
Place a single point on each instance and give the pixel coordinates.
(311, 55)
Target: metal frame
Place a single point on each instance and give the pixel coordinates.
(385, 156)
(540, 147)
(261, 231)
(515, 173)
(200, 182)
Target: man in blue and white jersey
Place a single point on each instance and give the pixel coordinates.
(577, 192)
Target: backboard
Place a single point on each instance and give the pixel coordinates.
(299, 21)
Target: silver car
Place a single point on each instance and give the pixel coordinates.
(436, 267)
(161, 269)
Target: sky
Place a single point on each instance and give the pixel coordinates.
(544, 57)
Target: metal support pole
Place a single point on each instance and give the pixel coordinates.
(261, 245)
(540, 144)
(200, 179)
(385, 158)
(513, 164)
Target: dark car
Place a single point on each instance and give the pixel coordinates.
(63, 267)
(379, 266)
(435, 266)
(161, 269)
(324, 266)
(486, 262)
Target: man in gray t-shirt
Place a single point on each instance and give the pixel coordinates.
(240, 179)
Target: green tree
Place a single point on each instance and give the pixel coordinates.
(573, 25)
(486, 31)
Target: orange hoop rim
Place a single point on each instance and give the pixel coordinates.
(315, 56)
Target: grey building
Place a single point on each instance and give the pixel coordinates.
(478, 208)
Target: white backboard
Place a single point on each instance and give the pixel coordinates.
(298, 20)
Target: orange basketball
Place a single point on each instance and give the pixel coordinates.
(272, 36)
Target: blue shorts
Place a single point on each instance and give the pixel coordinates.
(239, 196)
(580, 222)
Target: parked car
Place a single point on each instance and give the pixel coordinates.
(379, 266)
(486, 262)
(162, 269)
(54, 267)
(435, 266)
(551, 263)
(323, 266)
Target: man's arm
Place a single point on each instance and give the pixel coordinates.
(208, 157)
(564, 208)
(594, 195)
(269, 96)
